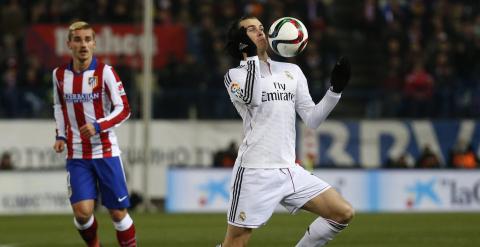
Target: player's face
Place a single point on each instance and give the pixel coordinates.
(256, 33)
(82, 44)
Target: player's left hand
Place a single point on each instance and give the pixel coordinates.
(340, 75)
(87, 130)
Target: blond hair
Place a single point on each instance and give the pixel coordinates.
(79, 25)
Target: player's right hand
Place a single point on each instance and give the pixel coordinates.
(241, 43)
(59, 146)
(246, 44)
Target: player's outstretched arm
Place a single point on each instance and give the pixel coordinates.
(313, 115)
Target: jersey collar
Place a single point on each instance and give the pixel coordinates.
(92, 66)
(244, 62)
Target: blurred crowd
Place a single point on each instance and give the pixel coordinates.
(432, 56)
(429, 52)
(461, 156)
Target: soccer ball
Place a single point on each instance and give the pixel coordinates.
(287, 37)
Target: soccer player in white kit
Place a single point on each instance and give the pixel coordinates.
(268, 94)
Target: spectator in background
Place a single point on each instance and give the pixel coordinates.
(394, 80)
(13, 19)
(227, 157)
(418, 92)
(427, 159)
(418, 25)
(464, 158)
(400, 162)
(6, 162)
(372, 19)
(10, 92)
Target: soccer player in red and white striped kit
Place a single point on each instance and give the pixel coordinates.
(89, 101)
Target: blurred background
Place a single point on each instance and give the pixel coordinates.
(413, 101)
(411, 58)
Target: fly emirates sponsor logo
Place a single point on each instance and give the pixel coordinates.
(280, 94)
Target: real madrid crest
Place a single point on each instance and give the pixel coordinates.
(242, 216)
(288, 75)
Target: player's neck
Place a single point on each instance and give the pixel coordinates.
(263, 56)
(81, 65)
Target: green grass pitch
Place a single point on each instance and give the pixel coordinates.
(192, 230)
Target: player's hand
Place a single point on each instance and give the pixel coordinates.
(59, 146)
(240, 44)
(340, 75)
(87, 130)
(245, 44)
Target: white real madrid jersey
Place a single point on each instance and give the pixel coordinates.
(267, 96)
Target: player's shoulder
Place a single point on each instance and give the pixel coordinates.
(284, 65)
(241, 67)
(108, 70)
(105, 66)
(61, 67)
(237, 71)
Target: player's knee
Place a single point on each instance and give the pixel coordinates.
(237, 237)
(82, 217)
(346, 214)
(117, 214)
(235, 242)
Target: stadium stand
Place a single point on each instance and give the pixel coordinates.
(407, 55)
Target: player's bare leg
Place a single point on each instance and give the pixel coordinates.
(124, 226)
(85, 222)
(335, 214)
(236, 236)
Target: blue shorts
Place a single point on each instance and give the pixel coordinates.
(84, 176)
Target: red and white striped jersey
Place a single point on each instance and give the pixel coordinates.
(95, 95)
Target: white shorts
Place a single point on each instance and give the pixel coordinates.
(256, 192)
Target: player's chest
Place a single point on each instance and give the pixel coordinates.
(81, 88)
(280, 86)
(85, 83)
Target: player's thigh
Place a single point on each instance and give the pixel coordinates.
(237, 234)
(81, 180)
(330, 204)
(112, 183)
(303, 186)
(254, 195)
